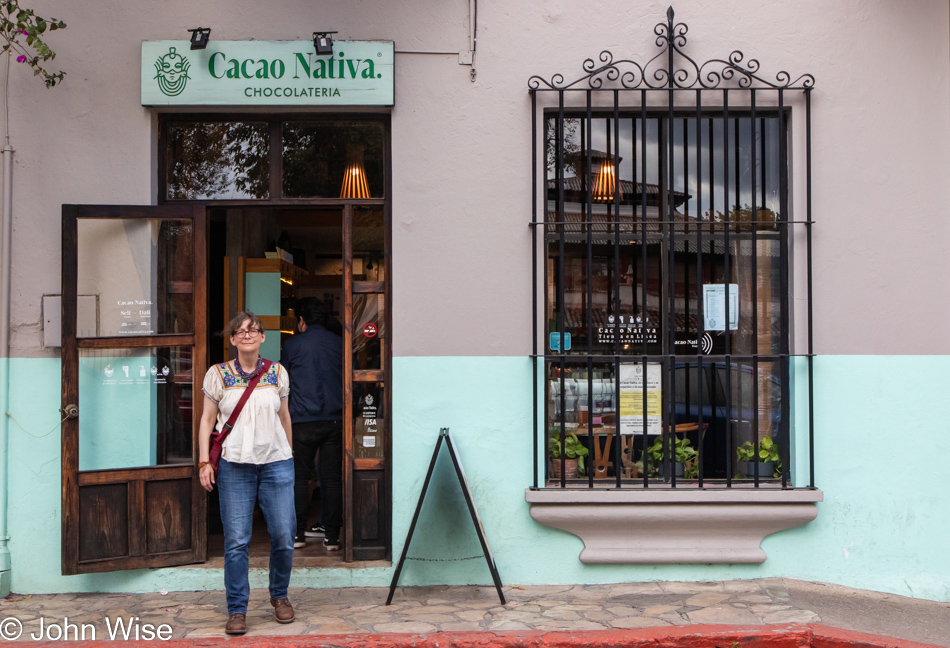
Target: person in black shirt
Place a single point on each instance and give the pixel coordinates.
(314, 360)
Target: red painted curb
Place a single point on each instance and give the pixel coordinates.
(694, 636)
(828, 637)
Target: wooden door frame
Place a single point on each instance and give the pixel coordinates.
(136, 478)
(352, 375)
(346, 205)
(350, 288)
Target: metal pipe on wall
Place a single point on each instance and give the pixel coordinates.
(6, 267)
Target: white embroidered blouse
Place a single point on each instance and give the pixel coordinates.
(257, 436)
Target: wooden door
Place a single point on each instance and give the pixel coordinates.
(367, 397)
(134, 356)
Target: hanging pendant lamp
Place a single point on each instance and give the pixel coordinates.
(605, 184)
(354, 178)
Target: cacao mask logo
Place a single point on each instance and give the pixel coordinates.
(172, 73)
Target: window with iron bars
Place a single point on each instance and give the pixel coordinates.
(663, 239)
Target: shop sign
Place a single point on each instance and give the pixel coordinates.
(267, 73)
(687, 343)
(136, 316)
(556, 342)
(629, 329)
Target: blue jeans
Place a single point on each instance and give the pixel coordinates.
(239, 486)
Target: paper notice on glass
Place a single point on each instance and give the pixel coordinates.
(631, 398)
(714, 307)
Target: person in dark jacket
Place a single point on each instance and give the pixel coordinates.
(314, 360)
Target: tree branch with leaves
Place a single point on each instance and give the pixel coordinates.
(22, 35)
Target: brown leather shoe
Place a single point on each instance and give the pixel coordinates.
(283, 610)
(237, 625)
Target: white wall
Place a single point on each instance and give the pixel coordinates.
(461, 150)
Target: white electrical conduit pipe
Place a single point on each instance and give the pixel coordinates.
(6, 267)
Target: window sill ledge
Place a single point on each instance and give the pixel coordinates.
(673, 526)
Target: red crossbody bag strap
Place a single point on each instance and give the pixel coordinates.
(226, 428)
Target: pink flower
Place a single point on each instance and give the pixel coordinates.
(25, 33)
(21, 59)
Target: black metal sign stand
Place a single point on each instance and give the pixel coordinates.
(444, 436)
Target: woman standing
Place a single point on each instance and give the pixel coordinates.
(256, 465)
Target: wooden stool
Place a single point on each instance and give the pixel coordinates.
(602, 458)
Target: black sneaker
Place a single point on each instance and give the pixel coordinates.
(316, 531)
(299, 542)
(331, 545)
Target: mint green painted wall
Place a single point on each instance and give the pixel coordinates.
(883, 524)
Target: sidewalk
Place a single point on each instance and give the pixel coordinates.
(575, 608)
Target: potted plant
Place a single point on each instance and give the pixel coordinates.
(574, 453)
(685, 459)
(767, 464)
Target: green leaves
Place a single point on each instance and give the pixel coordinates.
(683, 452)
(768, 453)
(20, 33)
(573, 448)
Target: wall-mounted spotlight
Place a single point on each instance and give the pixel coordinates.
(323, 43)
(200, 37)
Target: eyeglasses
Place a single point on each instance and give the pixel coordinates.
(247, 334)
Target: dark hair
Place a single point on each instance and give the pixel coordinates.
(312, 311)
(239, 319)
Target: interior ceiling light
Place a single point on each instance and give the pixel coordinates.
(606, 183)
(200, 37)
(354, 182)
(323, 43)
(354, 177)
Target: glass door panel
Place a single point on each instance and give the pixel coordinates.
(366, 364)
(131, 498)
(136, 406)
(369, 331)
(369, 258)
(141, 271)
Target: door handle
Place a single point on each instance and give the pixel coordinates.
(70, 411)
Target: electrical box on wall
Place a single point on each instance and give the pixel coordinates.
(87, 318)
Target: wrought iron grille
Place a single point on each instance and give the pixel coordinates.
(666, 293)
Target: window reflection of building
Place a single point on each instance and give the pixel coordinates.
(628, 252)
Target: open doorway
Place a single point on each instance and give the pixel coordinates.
(265, 260)
(228, 196)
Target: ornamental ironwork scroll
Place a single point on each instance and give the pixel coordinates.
(672, 69)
